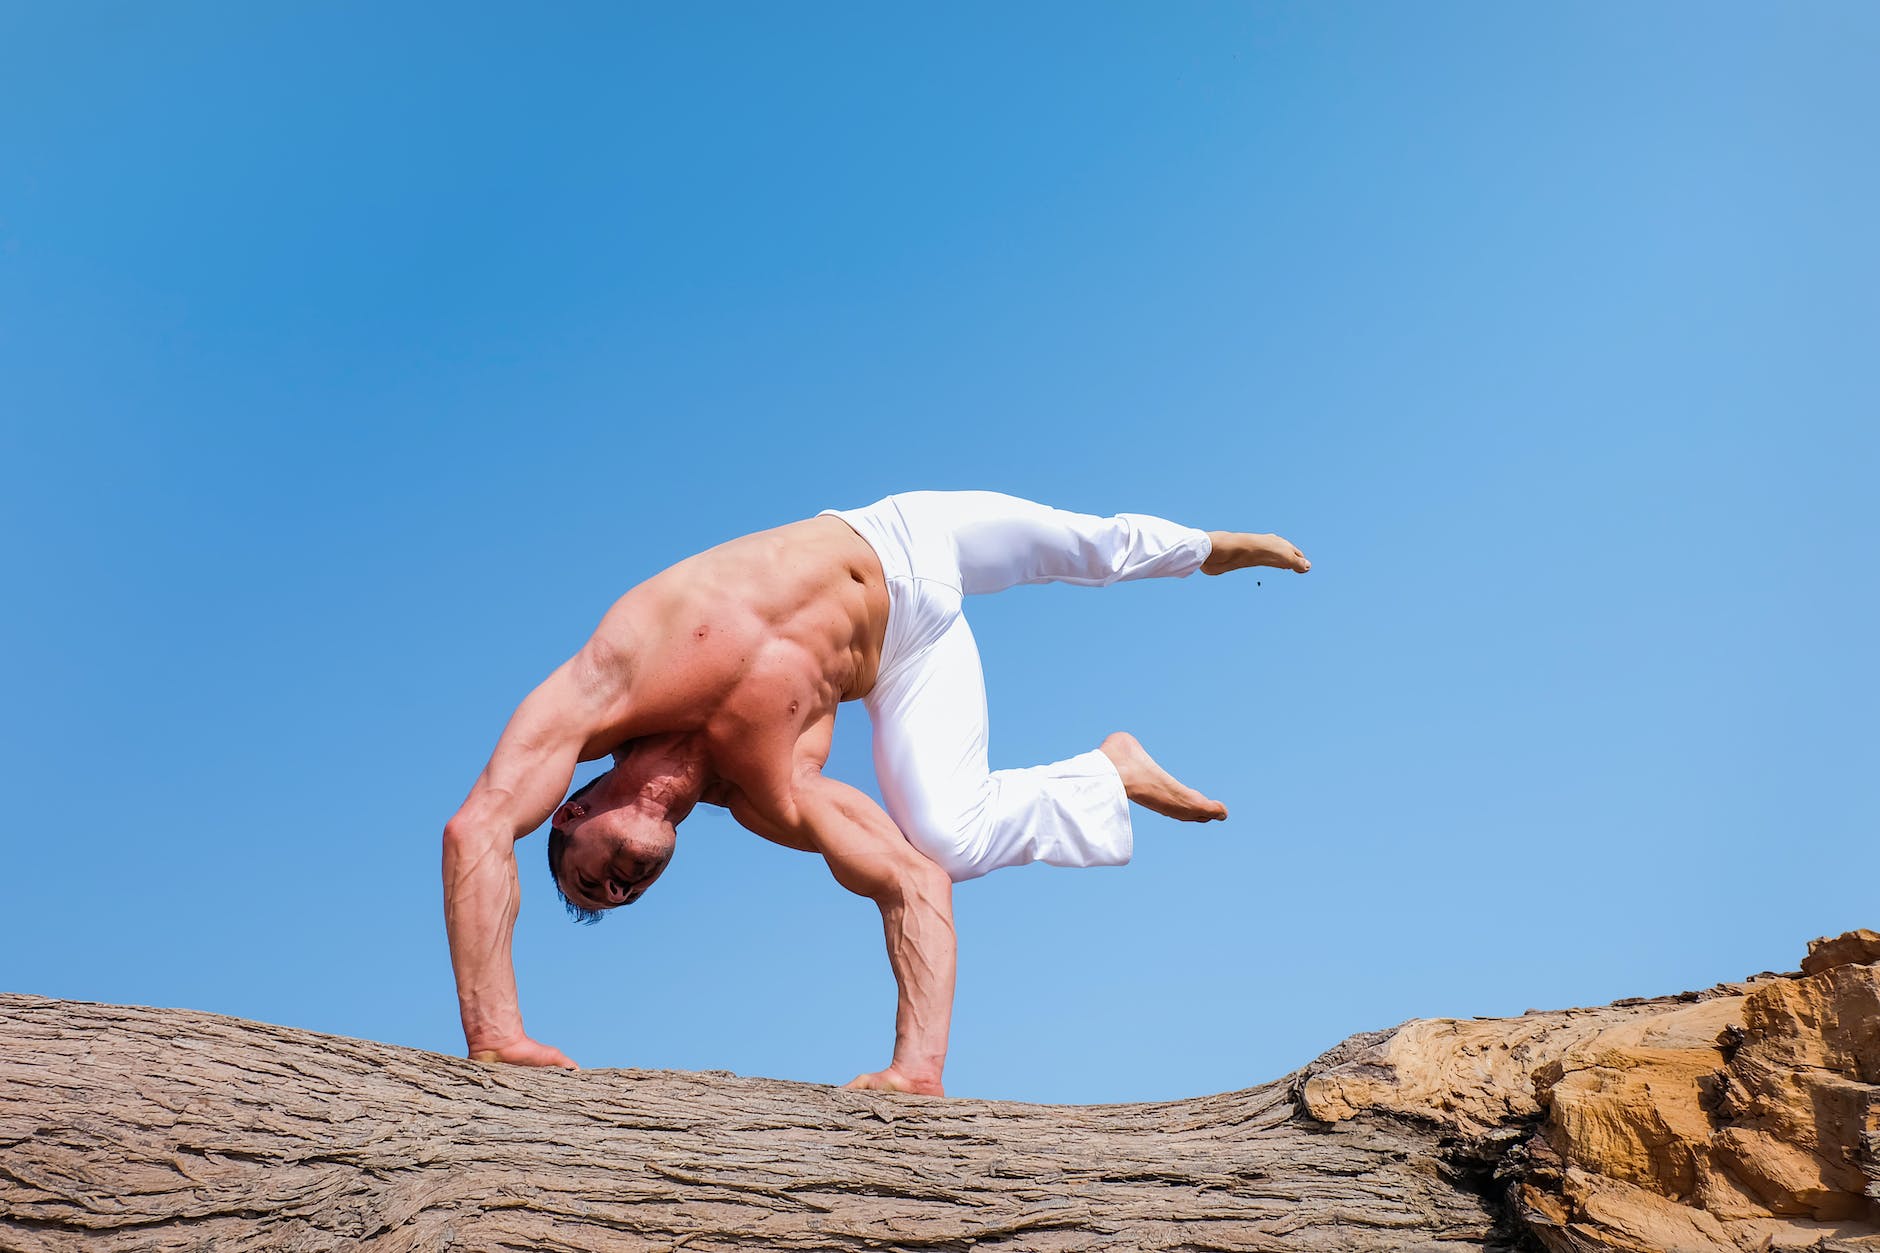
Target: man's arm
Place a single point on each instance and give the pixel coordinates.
(868, 855)
(519, 789)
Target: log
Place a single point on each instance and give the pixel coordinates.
(1744, 1116)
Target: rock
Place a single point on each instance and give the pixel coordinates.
(1628, 1104)
(1854, 948)
(1747, 1118)
(1801, 1113)
(1466, 1074)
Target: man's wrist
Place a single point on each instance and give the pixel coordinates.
(492, 1041)
(928, 1072)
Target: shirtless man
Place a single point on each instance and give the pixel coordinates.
(718, 679)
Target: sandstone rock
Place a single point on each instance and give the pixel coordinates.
(1801, 1111)
(1469, 1074)
(1854, 948)
(1745, 1118)
(1628, 1104)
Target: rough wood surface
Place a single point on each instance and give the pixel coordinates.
(1624, 1127)
(153, 1129)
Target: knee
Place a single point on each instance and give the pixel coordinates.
(954, 864)
(944, 836)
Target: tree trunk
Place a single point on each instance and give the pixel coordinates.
(133, 1128)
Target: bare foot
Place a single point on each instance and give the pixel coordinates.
(1153, 787)
(1236, 550)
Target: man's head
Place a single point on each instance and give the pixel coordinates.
(614, 836)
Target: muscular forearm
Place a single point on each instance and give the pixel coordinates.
(481, 900)
(918, 920)
(868, 856)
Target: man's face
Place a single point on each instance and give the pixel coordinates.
(613, 855)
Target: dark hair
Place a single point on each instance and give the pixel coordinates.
(557, 845)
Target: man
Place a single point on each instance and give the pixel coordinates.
(718, 679)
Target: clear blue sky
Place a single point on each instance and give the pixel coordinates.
(354, 358)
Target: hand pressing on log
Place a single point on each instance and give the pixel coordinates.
(525, 1052)
(893, 1080)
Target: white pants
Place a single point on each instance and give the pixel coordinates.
(929, 701)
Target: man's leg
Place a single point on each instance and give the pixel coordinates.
(930, 714)
(929, 718)
(930, 758)
(997, 541)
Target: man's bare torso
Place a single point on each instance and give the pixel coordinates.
(750, 646)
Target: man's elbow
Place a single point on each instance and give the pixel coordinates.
(473, 855)
(457, 848)
(465, 835)
(485, 818)
(917, 881)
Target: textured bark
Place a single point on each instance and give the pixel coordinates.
(130, 1128)
(133, 1128)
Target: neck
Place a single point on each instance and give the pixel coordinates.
(668, 774)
